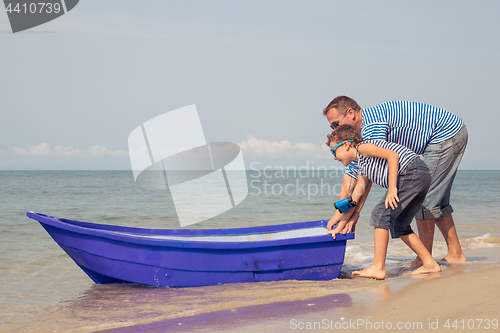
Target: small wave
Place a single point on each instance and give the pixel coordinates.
(484, 241)
(397, 252)
(362, 252)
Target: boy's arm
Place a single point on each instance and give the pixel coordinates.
(369, 149)
(348, 220)
(351, 225)
(347, 187)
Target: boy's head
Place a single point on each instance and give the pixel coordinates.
(346, 152)
(344, 132)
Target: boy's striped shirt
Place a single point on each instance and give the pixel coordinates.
(376, 169)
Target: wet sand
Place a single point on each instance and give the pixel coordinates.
(463, 296)
(462, 302)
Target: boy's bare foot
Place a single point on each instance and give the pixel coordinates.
(371, 272)
(425, 269)
(415, 263)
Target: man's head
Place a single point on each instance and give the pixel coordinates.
(343, 110)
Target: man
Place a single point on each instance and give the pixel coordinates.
(439, 136)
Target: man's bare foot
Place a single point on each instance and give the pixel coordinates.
(425, 269)
(454, 259)
(371, 272)
(427, 277)
(415, 263)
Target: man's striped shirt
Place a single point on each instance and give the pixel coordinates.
(352, 170)
(411, 124)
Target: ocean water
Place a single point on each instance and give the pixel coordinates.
(42, 289)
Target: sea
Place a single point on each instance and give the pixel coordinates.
(43, 290)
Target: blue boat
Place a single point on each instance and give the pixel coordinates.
(199, 257)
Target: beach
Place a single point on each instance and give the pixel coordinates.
(463, 297)
(166, 131)
(43, 290)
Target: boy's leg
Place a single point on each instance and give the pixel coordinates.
(377, 269)
(429, 265)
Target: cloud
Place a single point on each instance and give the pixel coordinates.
(68, 151)
(44, 149)
(284, 149)
(253, 147)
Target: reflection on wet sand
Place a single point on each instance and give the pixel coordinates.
(133, 304)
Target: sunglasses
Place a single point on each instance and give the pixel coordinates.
(338, 145)
(336, 124)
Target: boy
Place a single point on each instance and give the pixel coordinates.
(407, 180)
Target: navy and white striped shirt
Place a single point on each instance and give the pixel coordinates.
(376, 169)
(411, 124)
(352, 170)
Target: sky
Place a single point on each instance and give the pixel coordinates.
(259, 72)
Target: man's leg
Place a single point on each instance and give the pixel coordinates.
(426, 233)
(429, 264)
(443, 160)
(447, 227)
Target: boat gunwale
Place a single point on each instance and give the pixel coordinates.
(125, 234)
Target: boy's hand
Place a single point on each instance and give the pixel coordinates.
(392, 198)
(333, 232)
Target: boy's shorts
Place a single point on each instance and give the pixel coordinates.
(413, 184)
(442, 159)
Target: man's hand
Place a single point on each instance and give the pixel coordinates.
(333, 221)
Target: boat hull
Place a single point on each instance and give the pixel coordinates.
(199, 257)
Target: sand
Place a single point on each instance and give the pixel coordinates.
(464, 297)
(456, 303)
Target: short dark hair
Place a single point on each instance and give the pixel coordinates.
(345, 132)
(342, 103)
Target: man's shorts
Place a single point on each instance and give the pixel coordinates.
(413, 183)
(442, 159)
